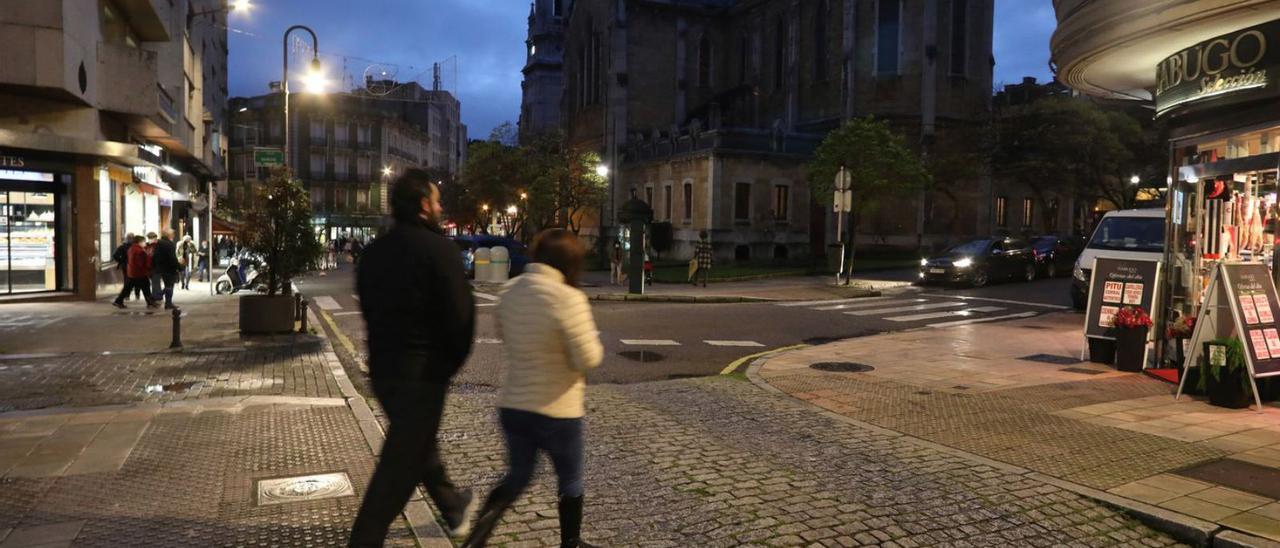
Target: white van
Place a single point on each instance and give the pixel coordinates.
(1124, 234)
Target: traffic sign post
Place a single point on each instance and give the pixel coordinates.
(843, 201)
(268, 157)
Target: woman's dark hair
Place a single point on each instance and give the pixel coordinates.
(562, 250)
(407, 193)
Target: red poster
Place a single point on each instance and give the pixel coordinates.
(1107, 316)
(1273, 341)
(1250, 313)
(1264, 309)
(1259, 340)
(1112, 292)
(1133, 294)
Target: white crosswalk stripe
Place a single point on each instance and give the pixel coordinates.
(983, 320)
(347, 313)
(734, 343)
(833, 302)
(867, 305)
(486, 296)
(649, 342)
(488, 341)
(326, 302)
(916, 308)
(947, 314)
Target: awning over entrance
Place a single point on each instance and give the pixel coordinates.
(223, 226)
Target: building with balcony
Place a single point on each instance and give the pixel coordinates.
(111, 117)
(346, 148)
(709, 110)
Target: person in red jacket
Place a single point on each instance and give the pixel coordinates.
(137, 273)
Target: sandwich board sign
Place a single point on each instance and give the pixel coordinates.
(1115, 284)
(1247, 291)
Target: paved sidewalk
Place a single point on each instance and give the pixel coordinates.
(973, 388)
(117, 443)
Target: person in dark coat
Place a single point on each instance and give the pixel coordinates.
(138, 271)
(420, 316)
(165, 260)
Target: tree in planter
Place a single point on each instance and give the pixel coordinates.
(1228, 384)
(278, 228)
(879, 162)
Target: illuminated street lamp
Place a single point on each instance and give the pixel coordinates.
(602, 170)
(386, 171)
(1135, 180)
(511, 210)
(524, 195)
(314, 79)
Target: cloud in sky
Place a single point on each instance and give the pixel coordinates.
(487, 38)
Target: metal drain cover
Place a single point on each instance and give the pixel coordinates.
(1051, 358)
(842, 367)
(304, 488)
(642, 356)
(1082, 370)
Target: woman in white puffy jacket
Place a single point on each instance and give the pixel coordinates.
(550, 343)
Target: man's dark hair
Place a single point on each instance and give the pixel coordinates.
(562, 250)
(407, 193)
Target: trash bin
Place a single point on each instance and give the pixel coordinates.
(499, 265)
(483, 258)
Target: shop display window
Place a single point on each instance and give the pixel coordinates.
(27, 253)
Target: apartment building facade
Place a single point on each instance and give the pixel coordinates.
(112, 118)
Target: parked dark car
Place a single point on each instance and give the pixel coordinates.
(468, 244)
(1055, 255)
(979, 262)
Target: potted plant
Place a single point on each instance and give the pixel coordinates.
(1225, 376)
(278, 229)
(1131, 325)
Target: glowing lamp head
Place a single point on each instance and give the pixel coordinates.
(314, 79)
(602, 170)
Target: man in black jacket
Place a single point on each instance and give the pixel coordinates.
(165, 262)
(420, 315)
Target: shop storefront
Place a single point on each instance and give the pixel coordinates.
(34, 225)
(1221, 100)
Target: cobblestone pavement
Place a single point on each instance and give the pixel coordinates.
(76, 380)
(721, 462)
(1016, 426)
(190, 481)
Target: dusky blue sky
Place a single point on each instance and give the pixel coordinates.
(485, 40)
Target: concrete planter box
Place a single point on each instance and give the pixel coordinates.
(266, 314)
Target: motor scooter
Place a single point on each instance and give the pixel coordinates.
(242, 273)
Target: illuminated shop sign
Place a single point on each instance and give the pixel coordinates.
(1243, 64)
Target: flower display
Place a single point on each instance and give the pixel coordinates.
(1132, 317)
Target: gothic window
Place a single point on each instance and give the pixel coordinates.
(959, 36)
(888, 30)
(780, 53)
(820, 42)
(704, 62)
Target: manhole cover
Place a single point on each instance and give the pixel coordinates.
(842, 367)
(960, 387)
(1050, 358)
(924, 393)
(1237, 474)
(642, 356)
(304, 488)
(1082, 371)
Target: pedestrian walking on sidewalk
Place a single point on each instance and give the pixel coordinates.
(156, 287)
(616, 274)
(167, 268)
(187, 254)
(551, 342)
(138, 269)
(121, 256)
(420, 317)
(703, 255)
(203, 265)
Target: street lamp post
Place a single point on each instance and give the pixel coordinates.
(315, 79)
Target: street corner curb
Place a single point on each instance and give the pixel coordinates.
(422, 521)
(1236, 539)
(1188, 529)
(1194, 531)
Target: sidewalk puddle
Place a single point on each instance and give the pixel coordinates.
(842, 367)
(642, 356)
(1237, 474)
(1082, 371)
(176, 387)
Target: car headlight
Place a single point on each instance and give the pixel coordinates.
(1078, 273)
(924, 262)
(963, 263)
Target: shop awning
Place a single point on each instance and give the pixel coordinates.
(223, 226)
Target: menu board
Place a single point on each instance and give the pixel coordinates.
(1252, 295)
(1118, 283)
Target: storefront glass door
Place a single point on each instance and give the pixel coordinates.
(27, 253)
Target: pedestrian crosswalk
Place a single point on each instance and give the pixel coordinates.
(925, 310)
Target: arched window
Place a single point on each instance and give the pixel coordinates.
(780, 53)
(704, 62)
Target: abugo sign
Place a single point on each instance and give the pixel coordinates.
(1244, 64)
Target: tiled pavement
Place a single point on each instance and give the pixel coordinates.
(720, 462)
(968, 388)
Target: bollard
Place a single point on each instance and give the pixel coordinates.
(303, 303)
(177, 329)
(298, 311)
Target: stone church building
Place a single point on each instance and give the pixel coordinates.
(709, 110)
